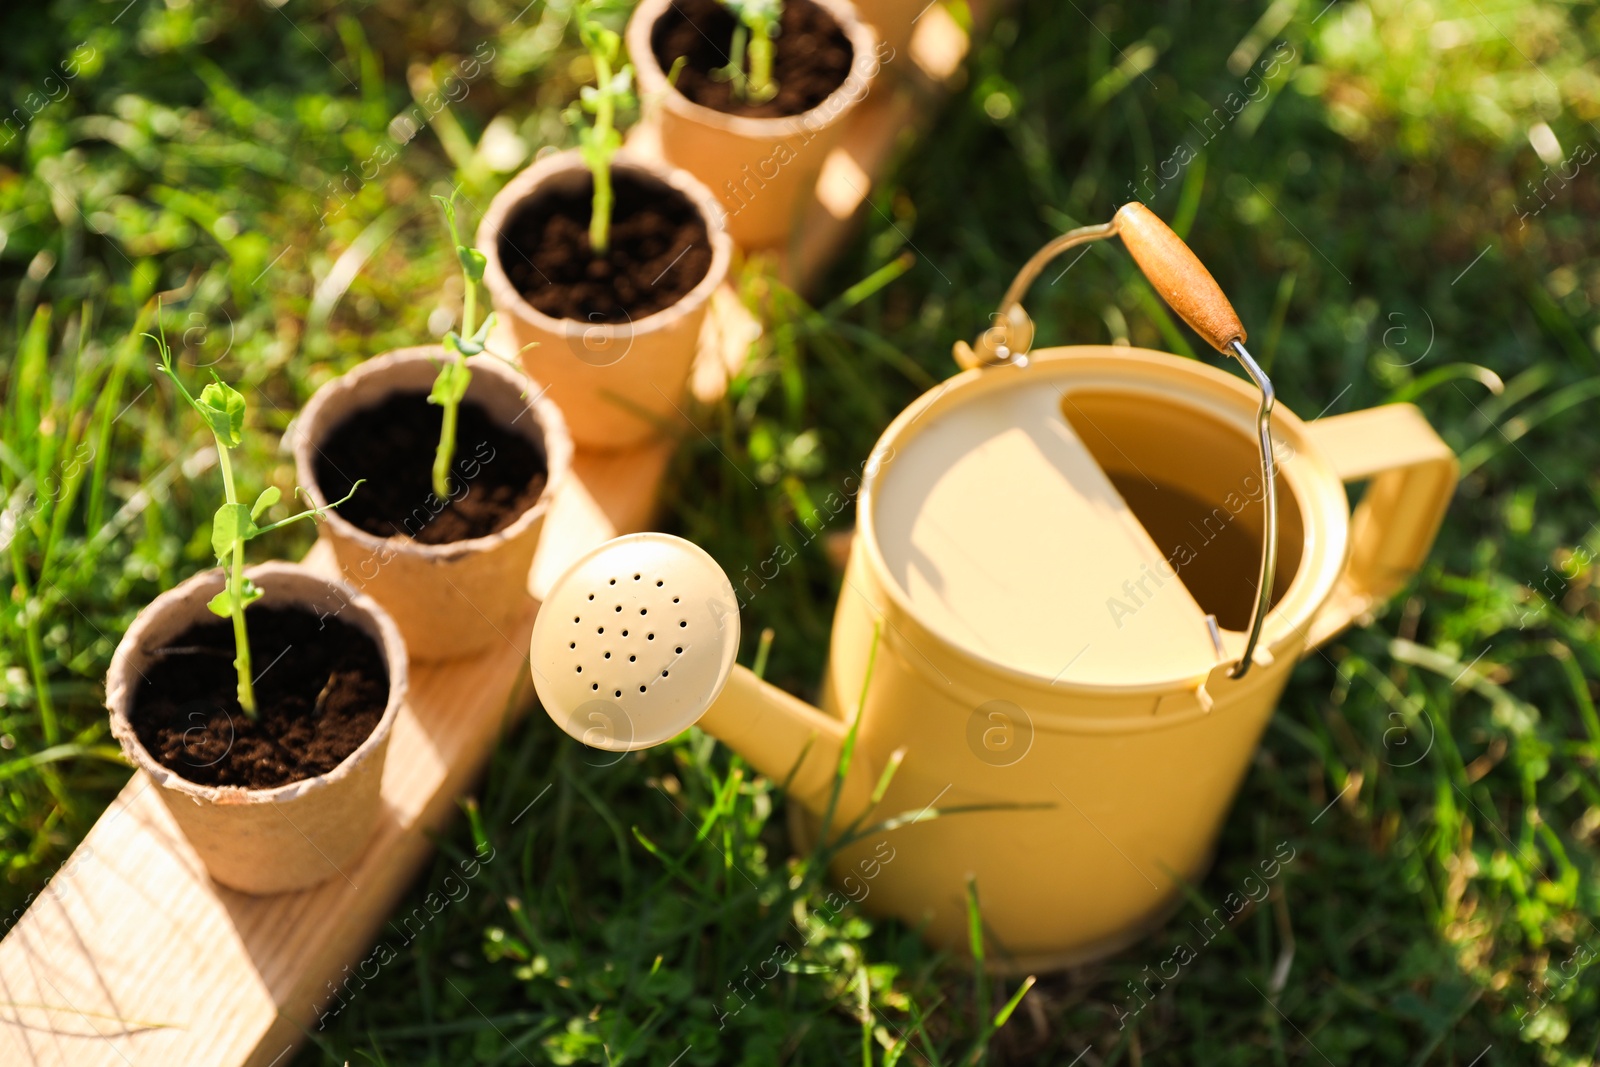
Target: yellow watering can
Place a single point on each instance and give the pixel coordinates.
(1080, 579)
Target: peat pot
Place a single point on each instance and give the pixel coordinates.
(457, 598)
(762, 170)
(1053, 587)
(618, 383)
(296, 835)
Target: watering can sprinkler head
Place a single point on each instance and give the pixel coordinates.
(636, 642)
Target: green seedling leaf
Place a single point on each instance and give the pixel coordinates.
(472, 261)
(222, 603)
(448, 203)
(474, 345)
(269, 496)
(222, 406)
(451, 385)
(231, 526)
(309, 513)
(597, 146)
(600, 40)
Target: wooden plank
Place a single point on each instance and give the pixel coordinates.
(133, 957)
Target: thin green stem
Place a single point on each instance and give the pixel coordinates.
(226, 464)
(761, 87)
(734, 71)
(454, 374)
(241, 637)
(445, 452)
(600, 223)
(604, 121)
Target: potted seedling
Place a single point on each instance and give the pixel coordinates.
(757, 93)
(605, 264)
(259, 700)
(461, 456)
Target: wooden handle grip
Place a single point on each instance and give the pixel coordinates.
(1178, 275)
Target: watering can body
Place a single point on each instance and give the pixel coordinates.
(1056, 642)
(1077, 787)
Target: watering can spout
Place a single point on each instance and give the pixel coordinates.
(790, 742)
(636, 642)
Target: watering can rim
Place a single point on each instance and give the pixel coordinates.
(1315, 487)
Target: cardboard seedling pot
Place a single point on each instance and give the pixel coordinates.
(453, 599)
(292, 836)
(617, 384)
(762, 170)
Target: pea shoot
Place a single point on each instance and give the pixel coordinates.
(222, 408)
(450, 387)
(599, 141)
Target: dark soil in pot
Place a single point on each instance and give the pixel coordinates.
(499, 473)
(658, 250)
(321, 688)
(811, 56)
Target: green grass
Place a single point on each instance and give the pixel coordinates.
(1441, 910)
